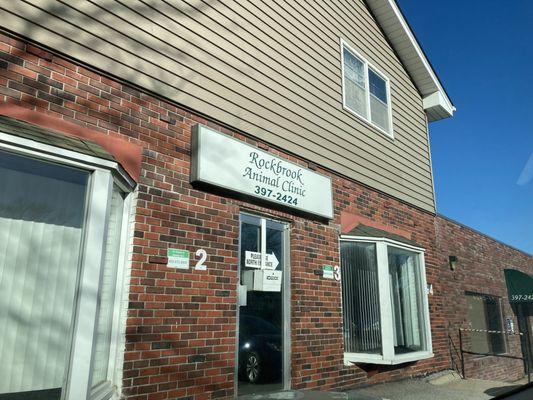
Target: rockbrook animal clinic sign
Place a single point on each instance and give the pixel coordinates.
(223, 161)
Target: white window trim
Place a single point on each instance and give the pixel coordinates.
(111, 388)
(367, 65)
(388, 357)
(103, 174)
(59, 155)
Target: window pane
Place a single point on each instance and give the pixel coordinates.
(378, 86)
(354, 80)
(379, 110)
(354, 69)
(494, 322)
(250, 240)
(484, 314)
(379, 113)
(478, 320)
(360, 298)
(106, 296)
(406, 301)
(42, 209)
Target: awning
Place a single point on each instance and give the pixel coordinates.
(369, 231)
(51, 130)
(47, 136)
(519, 286)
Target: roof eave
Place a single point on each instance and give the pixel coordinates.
(437, 107)
(436, 102)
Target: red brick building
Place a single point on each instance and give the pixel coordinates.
(187, 281)
(475, 290)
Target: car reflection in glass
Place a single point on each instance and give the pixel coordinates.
(259, 350)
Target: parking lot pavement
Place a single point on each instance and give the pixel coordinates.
(442, 387)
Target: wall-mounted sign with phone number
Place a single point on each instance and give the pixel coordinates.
(220, 160)
(285, 198)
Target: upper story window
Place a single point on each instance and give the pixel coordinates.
(365, 90)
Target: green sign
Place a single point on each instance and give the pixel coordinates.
(519, 286)
(327, 271)
(178, 258)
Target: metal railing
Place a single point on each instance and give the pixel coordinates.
(526, 358)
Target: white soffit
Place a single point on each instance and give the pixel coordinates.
(388, 15)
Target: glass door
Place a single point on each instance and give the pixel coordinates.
(262, 356)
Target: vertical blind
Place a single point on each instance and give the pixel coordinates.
(406, 299)
(106, 296)
(360, 298)
(42, 209)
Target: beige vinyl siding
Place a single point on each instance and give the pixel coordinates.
(271, 69)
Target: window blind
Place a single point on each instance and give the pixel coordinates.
(360, 298)
(41, 227)
(405, 298)
(354, 77)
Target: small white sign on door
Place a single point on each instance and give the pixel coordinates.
(252, 259)
(262, 281)
(271, 261)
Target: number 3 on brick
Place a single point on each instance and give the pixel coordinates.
(200, 266)
(337, 273)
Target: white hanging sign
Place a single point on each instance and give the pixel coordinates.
(252, 259)
(262, 280)
(271, 261)
(220, 160)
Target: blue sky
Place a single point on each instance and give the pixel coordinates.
(483, 156)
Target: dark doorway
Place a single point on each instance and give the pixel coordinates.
(524, 315)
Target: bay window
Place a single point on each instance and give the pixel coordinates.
(62, 242)
(384, 301)
(365, 90)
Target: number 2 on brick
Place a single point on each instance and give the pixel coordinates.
(200, 266)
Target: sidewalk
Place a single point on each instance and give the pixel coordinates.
(442, 386)
(447, 386)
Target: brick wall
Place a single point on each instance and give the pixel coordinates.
(180, 334)
(481, 261)
(180, 326)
